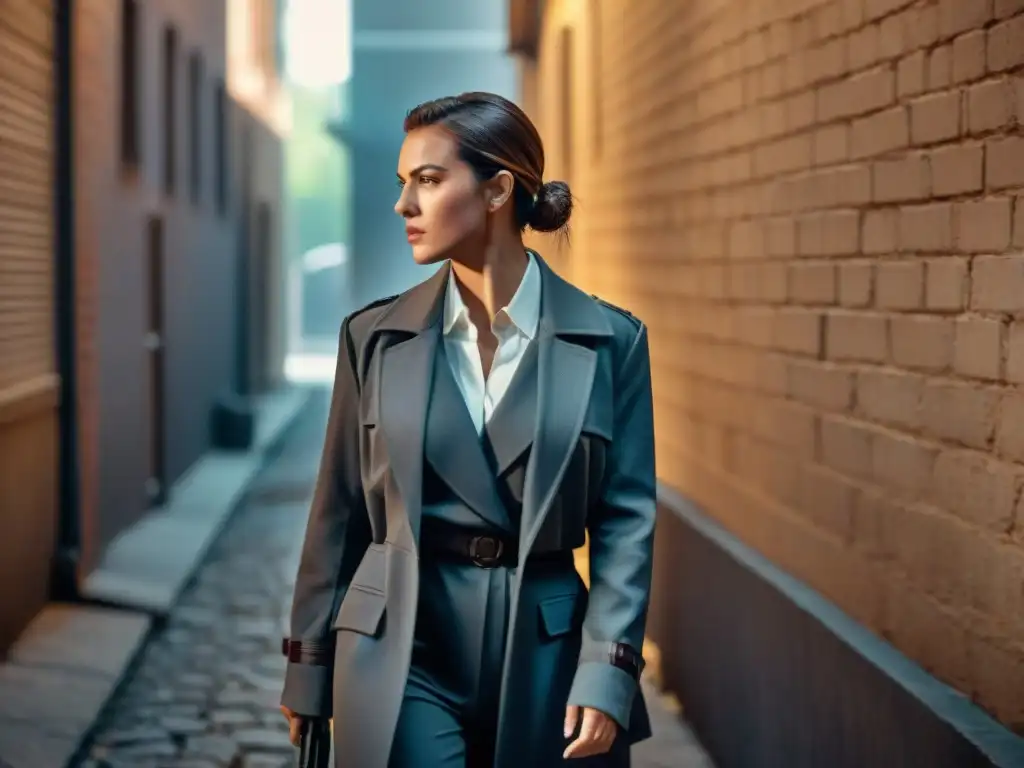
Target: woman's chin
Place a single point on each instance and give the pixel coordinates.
(423, 254)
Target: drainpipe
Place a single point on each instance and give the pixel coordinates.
(64, 583)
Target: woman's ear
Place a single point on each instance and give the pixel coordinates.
(499, 190)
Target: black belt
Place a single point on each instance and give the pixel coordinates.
(482, 549)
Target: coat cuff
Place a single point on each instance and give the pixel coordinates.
(307, 689)
(601, 686)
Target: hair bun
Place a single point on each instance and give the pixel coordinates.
(553, 207)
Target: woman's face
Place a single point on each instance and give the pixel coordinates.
(442, 202)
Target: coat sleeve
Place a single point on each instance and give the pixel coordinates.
(337, 535)
(621, 529)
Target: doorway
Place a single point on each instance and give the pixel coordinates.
(156, 482)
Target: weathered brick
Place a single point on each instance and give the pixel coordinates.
(990, 105)
(969, 56)
(797, 330)
(997, 283)
(846, 446)
(902, 464)
(876, 9)
(956, 16)
(1015, 353)
(831, 144)
(921, 342)
(899, 284)
(1004, 48)
(935, 117)
(855, 336)
(959, 412)
(1010, 430)
(946, 284)
(923, 26)
(911, 74)
(984, 225)
(880, 133)
(879, 231)
(890, 397)
(926, 227)
(1004, 162)
(1018, 222)
(908, 178)
(855, 283)
(1005, 8)
(840, 233)
(957, 169)
(819, 384)
(812, 283)
(976, 488)
(864, 47)
(979, 347)
(940, 68)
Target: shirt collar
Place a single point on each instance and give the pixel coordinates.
(523, 310)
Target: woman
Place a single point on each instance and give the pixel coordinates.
(438, 616)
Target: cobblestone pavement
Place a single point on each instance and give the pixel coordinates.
(205, 691)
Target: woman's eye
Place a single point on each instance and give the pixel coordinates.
(428, 180)
(400, 183)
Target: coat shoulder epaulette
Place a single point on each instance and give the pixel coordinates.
(373, 305)
(624, 312)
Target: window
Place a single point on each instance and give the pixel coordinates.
(195, 116)
(220, 145)
(130, 153)
(170, 109)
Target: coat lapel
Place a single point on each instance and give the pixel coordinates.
(454, 449)
(406, 381)
(565, 377)
(512, 425)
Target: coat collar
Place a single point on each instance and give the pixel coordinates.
(565, 310)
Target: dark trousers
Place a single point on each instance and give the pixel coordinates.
(449, 714)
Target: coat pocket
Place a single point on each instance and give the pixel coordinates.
(558, 615)
(362, 611)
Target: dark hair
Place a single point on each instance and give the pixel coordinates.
(494, 135)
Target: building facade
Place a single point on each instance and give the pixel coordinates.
(30, 384)
(177, 180)
(816, 208)
(141, 261)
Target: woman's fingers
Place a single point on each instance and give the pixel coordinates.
(597, 734)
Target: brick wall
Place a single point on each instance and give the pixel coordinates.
(26, 193)
(29, 386)
(814, 205)
(114, 205)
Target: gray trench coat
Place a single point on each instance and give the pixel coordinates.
(358, 579)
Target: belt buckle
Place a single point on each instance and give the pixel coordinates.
(489, 555)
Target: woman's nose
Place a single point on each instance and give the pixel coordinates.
(403, 205)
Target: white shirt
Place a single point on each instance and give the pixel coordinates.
(514, 326)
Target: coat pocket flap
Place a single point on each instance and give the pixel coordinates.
(558, 615)
(362, 611)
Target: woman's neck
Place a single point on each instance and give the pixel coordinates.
(506, 269)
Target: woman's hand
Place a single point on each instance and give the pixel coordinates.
(597, 734)
(294, 725)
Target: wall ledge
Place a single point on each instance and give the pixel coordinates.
(29, 398)
(1000, 745)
